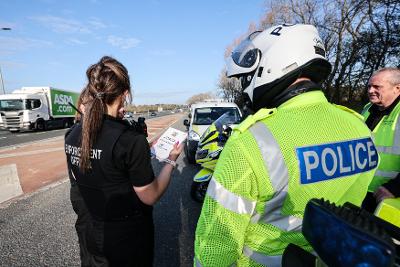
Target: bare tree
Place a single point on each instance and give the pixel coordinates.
(199, 98)
(360, 37)
(147, 108)
(230, 88)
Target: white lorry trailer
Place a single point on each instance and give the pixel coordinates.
(37, 108)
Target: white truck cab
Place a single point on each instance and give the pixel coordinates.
(37, 108)
(201, 116)
(19, 110)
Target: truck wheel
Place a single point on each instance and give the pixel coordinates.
(40, 126)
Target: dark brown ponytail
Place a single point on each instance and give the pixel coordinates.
(107, 80)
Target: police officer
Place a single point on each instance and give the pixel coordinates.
(110, 162)
(381, 115)
(297, 146)
(83, 220)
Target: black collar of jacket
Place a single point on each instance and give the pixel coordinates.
(295, 90)
(374, 109)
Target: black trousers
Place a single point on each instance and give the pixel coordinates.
(122, 243)
(83, 226)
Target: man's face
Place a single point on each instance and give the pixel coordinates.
(380, 91)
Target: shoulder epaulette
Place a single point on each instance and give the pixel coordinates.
(355, 113)
(252, 119)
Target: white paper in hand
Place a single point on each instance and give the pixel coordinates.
(165, 143)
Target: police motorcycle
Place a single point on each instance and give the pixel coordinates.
(345, 236)
(209, 148)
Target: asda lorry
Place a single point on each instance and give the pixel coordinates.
(37, 108)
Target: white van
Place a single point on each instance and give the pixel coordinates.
(201, 116)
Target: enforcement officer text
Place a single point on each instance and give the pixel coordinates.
(75, 154)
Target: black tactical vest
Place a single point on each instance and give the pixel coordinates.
(107, 191)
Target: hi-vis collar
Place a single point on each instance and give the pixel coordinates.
(252, 119)
(358, 115)
(265, 113)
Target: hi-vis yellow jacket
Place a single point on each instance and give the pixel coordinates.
(386, 136)
(272, 165)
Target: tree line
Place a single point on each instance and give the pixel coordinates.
(151, 108)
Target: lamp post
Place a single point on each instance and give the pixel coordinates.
(2, 83)
(1, 75)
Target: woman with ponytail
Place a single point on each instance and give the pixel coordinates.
(110, 162)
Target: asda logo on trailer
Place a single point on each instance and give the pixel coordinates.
(62, 101)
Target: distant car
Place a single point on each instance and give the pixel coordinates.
(153, 114)
(128, 115)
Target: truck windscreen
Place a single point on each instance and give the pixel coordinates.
(11, 105)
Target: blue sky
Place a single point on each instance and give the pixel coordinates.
(172, 49)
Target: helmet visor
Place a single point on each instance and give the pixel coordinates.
(244, 58)
(245, 54)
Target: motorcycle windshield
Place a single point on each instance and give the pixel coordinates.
(225, 120)
(228, 118)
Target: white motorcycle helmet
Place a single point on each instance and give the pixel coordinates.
(269, 61)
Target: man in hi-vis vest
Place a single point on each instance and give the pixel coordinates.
(297, 146)
(381, 115)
